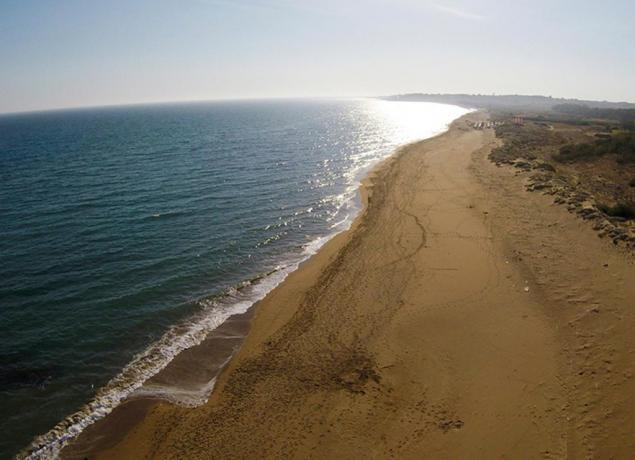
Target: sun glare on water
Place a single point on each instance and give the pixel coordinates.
(411, 121)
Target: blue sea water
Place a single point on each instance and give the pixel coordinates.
(127, 234)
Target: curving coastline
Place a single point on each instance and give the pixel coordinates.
(174, 368)
(434, 327)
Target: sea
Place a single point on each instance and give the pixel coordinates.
(128, 234)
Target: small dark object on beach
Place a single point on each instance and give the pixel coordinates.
(447, 425)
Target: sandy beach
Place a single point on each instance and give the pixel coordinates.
(459, 317)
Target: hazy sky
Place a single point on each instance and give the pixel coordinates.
(61, 53)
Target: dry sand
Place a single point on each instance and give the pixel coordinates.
(460, 317)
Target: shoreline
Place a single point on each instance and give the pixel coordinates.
(107, 433)
(449, 320)
(221, 346)
(93, 444)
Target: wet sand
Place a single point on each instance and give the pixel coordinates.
(460, 317)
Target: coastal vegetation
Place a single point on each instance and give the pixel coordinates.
(515, 102)
(621, 144)
(584, 157)
(624, 115)
(520, 142)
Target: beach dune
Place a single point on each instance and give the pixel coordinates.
(436, 327)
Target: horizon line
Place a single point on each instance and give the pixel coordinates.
(171, 101)
(271, 98)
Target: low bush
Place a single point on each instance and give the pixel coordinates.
(545, 167)
(622, 145)
(625, 210)
(519, 142)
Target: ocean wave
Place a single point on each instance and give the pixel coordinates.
(153, 359)
(167, 214)
(215, 311)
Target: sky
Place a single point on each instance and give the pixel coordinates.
(74, 53)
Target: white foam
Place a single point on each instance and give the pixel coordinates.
(187, 397)
(153, 360)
